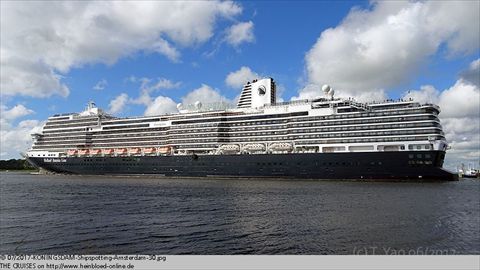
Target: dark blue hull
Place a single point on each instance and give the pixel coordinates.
(425, 165)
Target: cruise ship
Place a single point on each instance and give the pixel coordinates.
(321, 138)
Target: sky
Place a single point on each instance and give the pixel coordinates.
(145, 57)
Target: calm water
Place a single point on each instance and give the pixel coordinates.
(111, 215)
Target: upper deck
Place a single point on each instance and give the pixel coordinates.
(255, 126)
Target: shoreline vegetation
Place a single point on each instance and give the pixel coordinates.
(16, 165)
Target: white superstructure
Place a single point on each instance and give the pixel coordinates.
(258, 125)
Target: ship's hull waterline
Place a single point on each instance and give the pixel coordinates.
(404, 165)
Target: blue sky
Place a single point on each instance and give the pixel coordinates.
(278, 51)
(55, 53)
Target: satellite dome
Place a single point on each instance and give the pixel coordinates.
(179, 106)
(331, 92)
(198, 105)
(326, 88)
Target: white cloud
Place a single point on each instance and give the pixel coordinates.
(463, 136)
(18, 139)
(472, 74)
(16, 112)
(118, 104)
(154, 105)
(27, 78)
(41, 40)
(100, 85)
(426, 94)
(163, 47)
(460, 100)
(147, 86)
(15, 139)
(382, 47)
(240, 33)
(237, 79)
(161, 105)
(309, 91)
(204, 94)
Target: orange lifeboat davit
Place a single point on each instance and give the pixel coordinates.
(134, 151)
(121, 151)
(165, 150)
(149, 151)
(107, 151)
(95, 152)
(83, 152)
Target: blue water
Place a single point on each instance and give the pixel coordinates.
(54, 214)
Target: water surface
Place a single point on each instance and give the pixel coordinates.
(54, 214)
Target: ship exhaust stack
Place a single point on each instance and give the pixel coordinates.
(258, 93)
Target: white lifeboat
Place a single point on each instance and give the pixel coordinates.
(230, 147)
(283, 146)
(72, 152)
(254, 147)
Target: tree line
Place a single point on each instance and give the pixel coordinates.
(16, 164)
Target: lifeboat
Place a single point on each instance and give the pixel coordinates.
(72, 152)
(94, 152)
(150, 150)
(230, 147)
(107, 151)
(254, 147)
(121, 151)
(83, 152)
(165, 150)
(281, 146)
(134, 151)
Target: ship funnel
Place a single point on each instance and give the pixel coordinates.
(257, 94)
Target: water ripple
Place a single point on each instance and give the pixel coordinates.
(102, 215)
